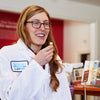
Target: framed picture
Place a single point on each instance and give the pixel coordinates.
(77, 74)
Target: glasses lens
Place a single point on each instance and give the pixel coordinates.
(46, 25)
(36, 24)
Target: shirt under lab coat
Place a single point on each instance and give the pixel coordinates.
(22, 78)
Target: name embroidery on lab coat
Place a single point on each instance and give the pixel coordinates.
(18, 66)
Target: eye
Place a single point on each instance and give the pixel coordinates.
(46, 23)
(36, 22)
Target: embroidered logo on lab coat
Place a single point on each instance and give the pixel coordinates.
(18, 66)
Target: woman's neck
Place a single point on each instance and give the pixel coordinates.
(35, 48)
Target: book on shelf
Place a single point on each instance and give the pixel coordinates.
(91, 73)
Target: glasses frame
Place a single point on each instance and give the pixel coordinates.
(32, 22)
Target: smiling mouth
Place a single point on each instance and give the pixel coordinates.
(40, 34)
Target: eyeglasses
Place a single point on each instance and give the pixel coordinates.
(37, 24)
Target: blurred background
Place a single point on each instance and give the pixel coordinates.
(76, 27)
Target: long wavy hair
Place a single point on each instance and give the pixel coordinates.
(24, 35)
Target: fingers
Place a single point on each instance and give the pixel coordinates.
(48, 51)
(45, 55)
(49, 54)
(51, 43)
(48, 48)
(49, 57)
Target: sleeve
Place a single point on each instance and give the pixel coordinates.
(63, 90)
(25, 86)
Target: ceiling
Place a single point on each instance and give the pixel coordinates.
(92, 2)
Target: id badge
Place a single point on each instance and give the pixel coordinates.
(18, 66)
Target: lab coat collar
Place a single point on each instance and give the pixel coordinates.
(22, 47)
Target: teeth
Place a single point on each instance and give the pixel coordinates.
(40, 34)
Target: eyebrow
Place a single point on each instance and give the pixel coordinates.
(39, 20)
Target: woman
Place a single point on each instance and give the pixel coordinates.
(29, 69)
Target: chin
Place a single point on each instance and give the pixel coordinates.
(40, 44)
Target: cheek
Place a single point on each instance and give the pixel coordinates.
(48, 33)
(29, 29)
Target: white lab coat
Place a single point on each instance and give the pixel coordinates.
(33, 82)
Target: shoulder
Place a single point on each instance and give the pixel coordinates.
(14, 48)
(10, 50)
(6, 52)
(6, 49)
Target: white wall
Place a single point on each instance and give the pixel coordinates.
(63, 9)
(57, 8)
(76, 40)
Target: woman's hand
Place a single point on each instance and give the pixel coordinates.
(44, 55)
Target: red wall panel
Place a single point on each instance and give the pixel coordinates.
(8, 21)
(58, 35)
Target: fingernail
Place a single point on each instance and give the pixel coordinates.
(51, 43)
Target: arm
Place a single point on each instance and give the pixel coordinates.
(25, 86)
(31, 79)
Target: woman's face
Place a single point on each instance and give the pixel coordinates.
(38, 28)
